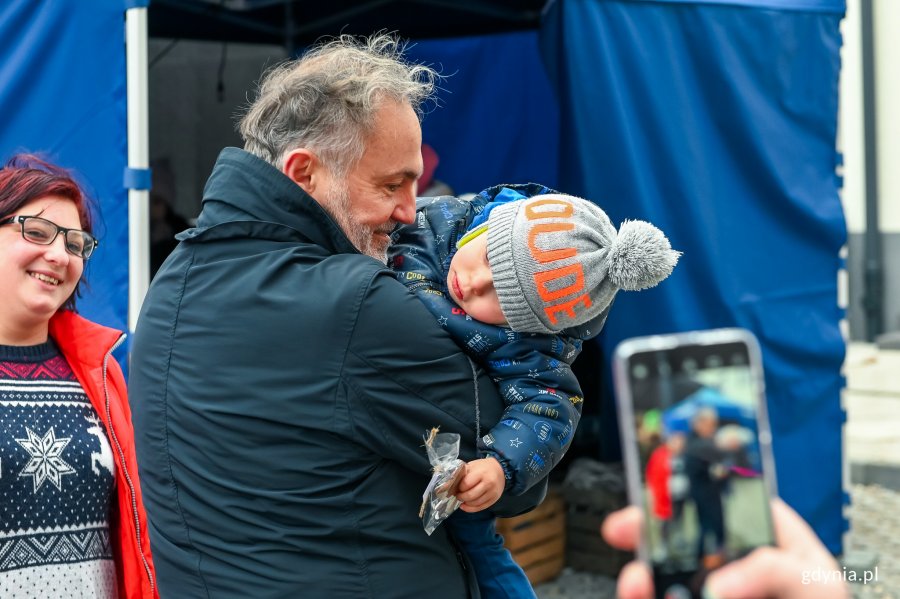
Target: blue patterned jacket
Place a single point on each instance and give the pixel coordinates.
(533, 371)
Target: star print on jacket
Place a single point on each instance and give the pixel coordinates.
(532, 372)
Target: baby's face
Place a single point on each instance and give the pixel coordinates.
(471, 283)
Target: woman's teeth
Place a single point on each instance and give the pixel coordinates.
(45, 278)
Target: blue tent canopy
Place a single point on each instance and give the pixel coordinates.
(62, 93)
(715, 120)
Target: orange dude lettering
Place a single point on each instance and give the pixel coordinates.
(563, 209)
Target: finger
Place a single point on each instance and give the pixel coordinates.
(782, 571)
(480, 503)
(767, 572)
(771, 572)
(466, 483)
(635, 582)
(795, 535)
(473, 494)
(490, 497)
(789, 525)
(622, 529)
(453, 489)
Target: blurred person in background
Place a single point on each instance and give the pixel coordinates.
(165, 223)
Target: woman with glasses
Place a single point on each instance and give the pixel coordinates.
(72, 521)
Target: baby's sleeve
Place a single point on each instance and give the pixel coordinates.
(543, 406)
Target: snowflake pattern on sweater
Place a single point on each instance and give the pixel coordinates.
(56, 481)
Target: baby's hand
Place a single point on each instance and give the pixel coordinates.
(482, 485)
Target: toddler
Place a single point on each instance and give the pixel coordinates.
(520, 276)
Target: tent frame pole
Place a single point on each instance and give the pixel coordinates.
(136, 56)
(873, 296)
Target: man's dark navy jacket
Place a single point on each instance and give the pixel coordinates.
(281, 383)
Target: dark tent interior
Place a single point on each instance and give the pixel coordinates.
(296, 23)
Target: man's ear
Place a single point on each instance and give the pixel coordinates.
(302, 167)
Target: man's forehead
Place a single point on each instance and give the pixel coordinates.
(393, 148)
(392, 165)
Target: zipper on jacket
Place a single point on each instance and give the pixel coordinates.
(112, 432)
(453, 235)
(418, 285)
(461, 560)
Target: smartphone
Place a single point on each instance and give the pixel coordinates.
(697, 450)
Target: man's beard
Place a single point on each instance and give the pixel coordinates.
(337, 204)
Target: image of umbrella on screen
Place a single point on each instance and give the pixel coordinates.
(734, 425)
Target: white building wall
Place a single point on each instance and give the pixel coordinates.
(886, 22)
(850, 121)
(887, 72)
(886, 16)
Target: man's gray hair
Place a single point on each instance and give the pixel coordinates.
(705, 413)
(326, 100)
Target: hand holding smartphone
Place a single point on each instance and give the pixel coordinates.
(697, 450)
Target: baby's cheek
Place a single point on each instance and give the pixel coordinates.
(492, 308)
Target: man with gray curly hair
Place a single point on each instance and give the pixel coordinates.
(282, 377)
(343, 124)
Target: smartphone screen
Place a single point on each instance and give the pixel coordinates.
(698, 452)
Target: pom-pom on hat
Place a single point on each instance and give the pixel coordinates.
(557, 261)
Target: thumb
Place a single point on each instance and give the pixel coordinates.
(763, 573)
(622, 528)
(793, 534)
(635, 582)
(771, 572)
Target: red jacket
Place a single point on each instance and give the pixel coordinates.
(658, 471)
(88, 349)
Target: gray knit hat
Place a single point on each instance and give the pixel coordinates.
(557, 261)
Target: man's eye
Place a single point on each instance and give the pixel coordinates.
(393, 187)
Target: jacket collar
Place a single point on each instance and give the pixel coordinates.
(247, 195)
(82, 340)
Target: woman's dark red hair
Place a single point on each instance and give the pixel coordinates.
(26, 177)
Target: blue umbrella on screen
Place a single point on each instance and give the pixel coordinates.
(678, 417)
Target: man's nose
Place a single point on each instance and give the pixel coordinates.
(405, 210)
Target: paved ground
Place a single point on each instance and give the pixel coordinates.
(872, 402)
(875, 539)
(872, 457)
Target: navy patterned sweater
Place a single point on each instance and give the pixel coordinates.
(57, 479)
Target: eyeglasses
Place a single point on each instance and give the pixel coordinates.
(43, 232)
